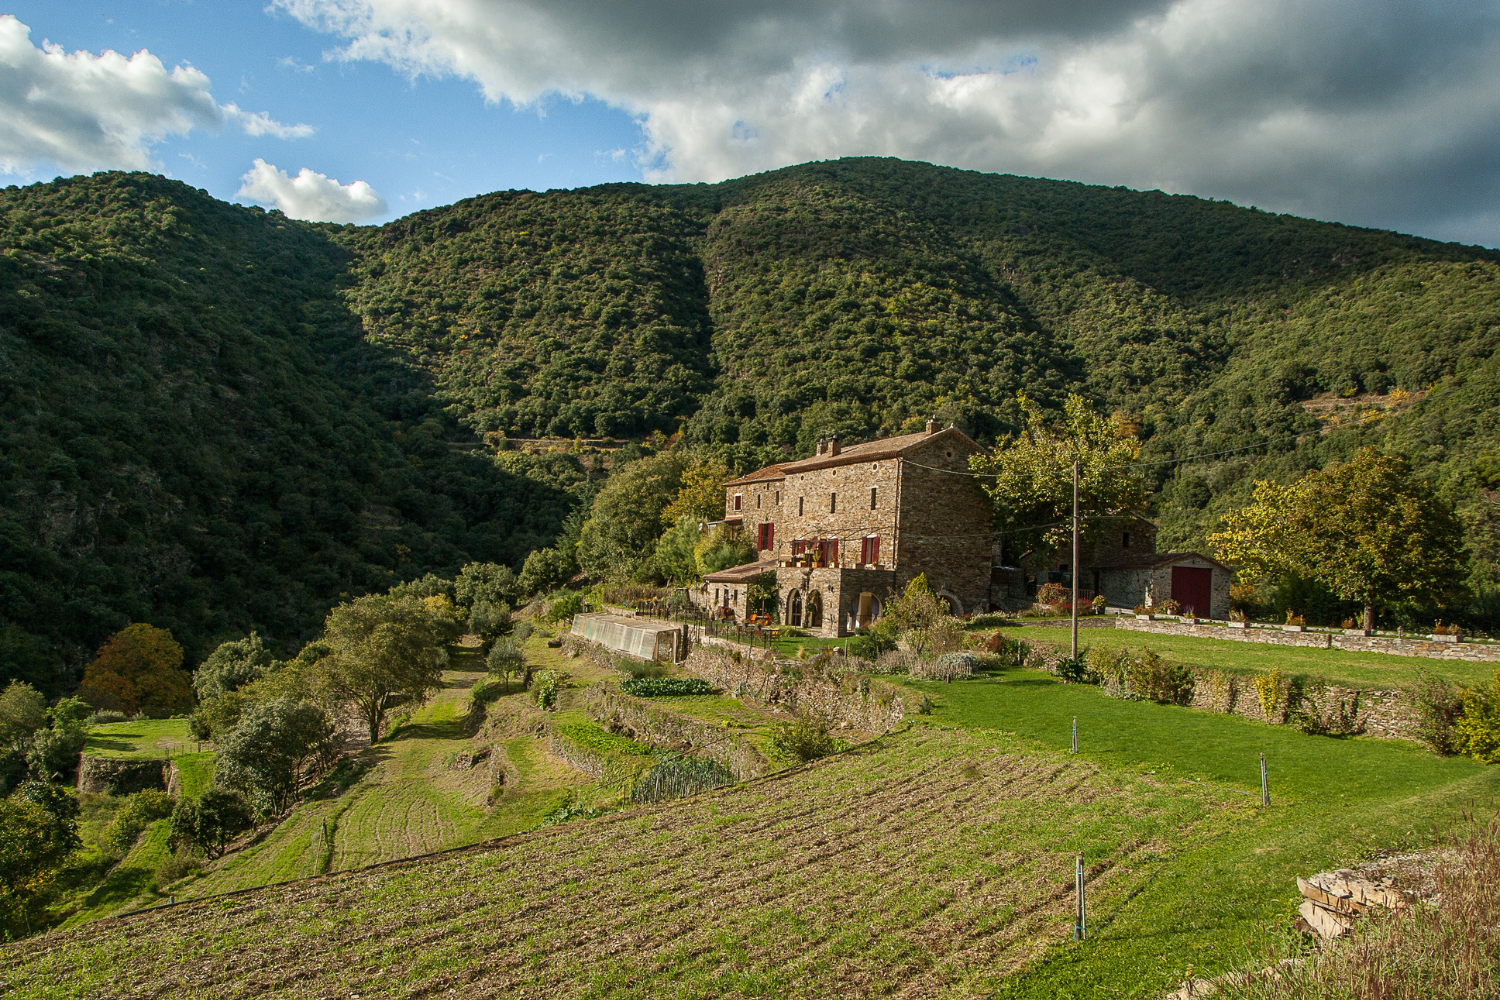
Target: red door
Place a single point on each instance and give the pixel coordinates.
(1193, 589)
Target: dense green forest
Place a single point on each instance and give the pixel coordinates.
(213, 418)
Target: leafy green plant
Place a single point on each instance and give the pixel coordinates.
(1439, 706)
(682, 776)
(1477, 731)
(1323, 711)
(486, 691)
(1010, 652)
(136, 813)
(666, 687)
(802, 739)
(569, 810)
(210, 821)
(544, 688)
(563, 607)
(591, 737)
(1269, 688)
(1077, 670)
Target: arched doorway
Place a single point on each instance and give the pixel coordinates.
(867, 610)
(794, 609)
(954, 607)
(815, 609)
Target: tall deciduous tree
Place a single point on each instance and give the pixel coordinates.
(230, 667)
(271, 748)
(384, 647)
(625, 518)
(1030, 477)
(1367, 529)
(138, 670)
(701, 497)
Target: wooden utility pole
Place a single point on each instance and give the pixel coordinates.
(1075, 561)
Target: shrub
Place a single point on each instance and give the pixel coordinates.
(1052, 593)
(666, 687)
(486, 691)
(642, 668)
(274, 747)
(1010, 652)
(1145, 677)
(1238, 616)
(1077, 670)
(569, 810)
(1099, 603)
(564, 607)
(522, 631)
(1477, 732)
(893, 661)
(674, 779)
(802, 739)
(545, 686)
(1292, 618)
(133, 816)
(210, 821)
(989, 620)
(1439, 707)
(175, 867)
(948, 668)
(489, 621)
(870, 645)
(1223, 691)
(1268, 693)
(1330, 713)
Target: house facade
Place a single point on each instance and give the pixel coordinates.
(846, 528)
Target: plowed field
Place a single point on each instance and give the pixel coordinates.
(928, 865)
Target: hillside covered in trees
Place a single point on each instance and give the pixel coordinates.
(215, 419)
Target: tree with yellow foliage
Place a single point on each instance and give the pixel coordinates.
(701, 496)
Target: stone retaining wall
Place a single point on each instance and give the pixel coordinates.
(1436, 649)
(1389, 714)
(857, 701)
(646, 723)
(121, 775)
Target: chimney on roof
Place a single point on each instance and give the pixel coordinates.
(833, 445)
(820, 446)
(932, 425)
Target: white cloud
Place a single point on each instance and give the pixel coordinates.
(310, 195)
(82, 111)
(259, 123)
(1382, 112)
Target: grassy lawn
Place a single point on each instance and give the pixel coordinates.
(142, 738)
(1354, 669)
(1332, 801)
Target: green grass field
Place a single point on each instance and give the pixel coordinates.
(1332, 800)
(141, 738)
(1353, 669)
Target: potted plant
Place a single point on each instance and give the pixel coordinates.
(1294, 622)
(1238, 619)
(1349, 628)
(1446, 633)
(1144, 613)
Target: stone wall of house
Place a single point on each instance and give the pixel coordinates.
(855, 702)
(834, 502)
(946, 525)
(1433, 648)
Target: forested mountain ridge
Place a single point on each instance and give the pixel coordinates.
(215, 418)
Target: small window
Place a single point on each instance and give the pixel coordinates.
(874, 492)
(757, 501)
(738, 501)
(833, 503)
(869, 550)
(1125, 541)
(778, 498)
(948, 453)
(800, 502)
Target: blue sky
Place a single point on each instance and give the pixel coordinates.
(1380, 113)
(420, 144)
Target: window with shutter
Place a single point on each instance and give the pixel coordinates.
(738, 500)
(869, 550)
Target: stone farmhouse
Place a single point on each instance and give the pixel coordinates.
(846, 528)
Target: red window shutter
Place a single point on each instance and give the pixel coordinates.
(874, 549)
(738, 500)
(770, 535)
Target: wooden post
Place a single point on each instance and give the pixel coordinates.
(1075, 734)
(1265, 787)
(1080, 923)
(1075, 562)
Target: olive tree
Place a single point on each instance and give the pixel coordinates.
(384, 647)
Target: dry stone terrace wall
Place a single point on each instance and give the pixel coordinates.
(1436, 649)
(658, 727)
(121, 775)
(857, 702)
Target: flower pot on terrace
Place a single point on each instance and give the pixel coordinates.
(1446, 638)
(1145, 618)
(1357, 631)
(1294, 628)
(1238, 624)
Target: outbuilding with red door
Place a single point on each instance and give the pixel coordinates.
(1197, 583)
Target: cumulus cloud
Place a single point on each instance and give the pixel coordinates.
(83, 111)
(310, 195)
(1380, 113)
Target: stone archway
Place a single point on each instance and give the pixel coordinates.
(794, 609)
(867, 610)
(955, 606)
(815, 609)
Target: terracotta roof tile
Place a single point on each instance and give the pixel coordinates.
(868, 451)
